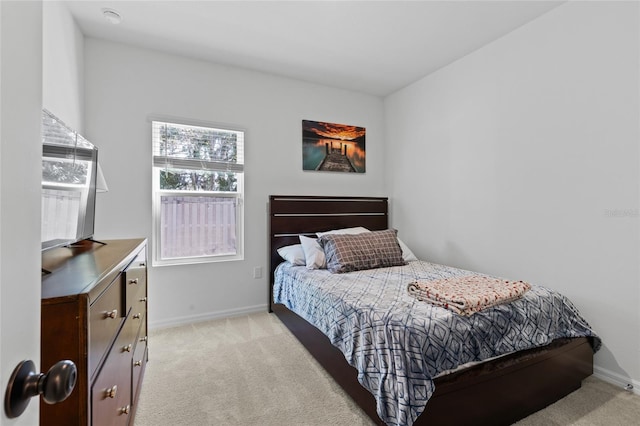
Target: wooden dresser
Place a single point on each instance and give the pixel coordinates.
(94, 306)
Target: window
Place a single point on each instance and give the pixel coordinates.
(197, 193)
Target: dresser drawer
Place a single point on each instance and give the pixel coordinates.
(111, 391)
(136, 296)
(139, 361)
(105, 319)
(135, 282)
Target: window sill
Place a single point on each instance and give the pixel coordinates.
(196, 260)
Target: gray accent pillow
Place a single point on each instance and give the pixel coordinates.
(346, 253)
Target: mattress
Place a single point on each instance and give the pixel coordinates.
(399, 344)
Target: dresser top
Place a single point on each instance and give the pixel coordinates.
(87, 267)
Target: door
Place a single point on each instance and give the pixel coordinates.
(20, 176)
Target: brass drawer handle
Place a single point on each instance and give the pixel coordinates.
(127, 348)
(125, 410)
(144, 299)
(111, 393)
(111, 314)
(137, 363)
(143, 339)
(137, 316)
(133, 281)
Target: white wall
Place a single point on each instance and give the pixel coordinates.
(125, 85)
(522, 160)
(62, 65)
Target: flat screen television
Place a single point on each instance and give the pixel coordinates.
(69, 174)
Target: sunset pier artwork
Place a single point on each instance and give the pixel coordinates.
(333, 147)
(336, 160)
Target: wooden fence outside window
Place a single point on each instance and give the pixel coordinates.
(197, 226)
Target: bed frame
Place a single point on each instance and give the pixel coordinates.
(498, 392)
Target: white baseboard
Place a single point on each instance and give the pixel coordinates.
(190, 319)
(617, 379)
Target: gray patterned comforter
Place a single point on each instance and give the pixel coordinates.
(399, 344)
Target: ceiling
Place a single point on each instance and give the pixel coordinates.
(375, 47)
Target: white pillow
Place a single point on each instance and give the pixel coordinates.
(313, 253)
(407, 254)
(293, 254)
(352, 231)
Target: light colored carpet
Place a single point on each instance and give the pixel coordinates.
(250, 370)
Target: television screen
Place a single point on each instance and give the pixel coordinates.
(69, 168)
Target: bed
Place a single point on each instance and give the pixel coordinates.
(499, 391)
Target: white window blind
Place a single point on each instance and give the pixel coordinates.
(183, 146)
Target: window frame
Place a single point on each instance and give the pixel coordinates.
(158, 193)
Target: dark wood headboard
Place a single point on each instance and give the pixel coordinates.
(294, 215)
